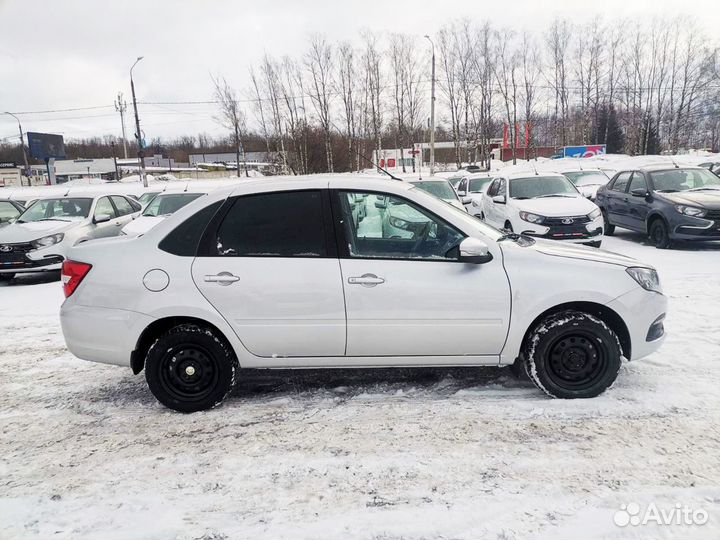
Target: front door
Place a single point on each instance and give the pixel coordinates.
(617, 200)
(637, 207)
(272, 273)
(102, 227)
(405, 292)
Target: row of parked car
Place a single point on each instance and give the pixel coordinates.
(663, 198)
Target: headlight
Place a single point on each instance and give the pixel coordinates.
(594, 214)
(47, 241)
(690, 210)
(647, 278)
(532, 218)
(398, 223)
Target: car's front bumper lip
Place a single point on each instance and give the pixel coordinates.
(641, 310)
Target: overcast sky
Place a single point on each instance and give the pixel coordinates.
(64, 54)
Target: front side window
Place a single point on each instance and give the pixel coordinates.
(440, 188)
(282, 224)
(61, 209)
(637, 182)
(478, 185)
(493, 189)
(104, 208)
(123, 206)
(396, 228)
(621, 182)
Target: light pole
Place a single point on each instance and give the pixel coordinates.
(432, 109)
(138, 135)
(22, 145)
(121, 107)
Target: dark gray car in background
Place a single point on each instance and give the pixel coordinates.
(666, 202)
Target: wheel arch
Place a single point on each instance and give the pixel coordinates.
(160, 326)
(652, 217)
(602, 312)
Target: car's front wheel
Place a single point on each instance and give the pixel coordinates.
(190, 369)
(573, 355)
(659, 234)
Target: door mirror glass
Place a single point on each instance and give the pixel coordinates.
(499, 199)
(639, 192)
(102, 218)
(475, 251)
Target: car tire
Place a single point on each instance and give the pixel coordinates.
(190, 368)
(573, 355)
(608, 228)
(508, 226)
(482, 216)
(595, 244)
(659, 234)
(6, 277)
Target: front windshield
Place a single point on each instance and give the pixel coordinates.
(674, 180)
(66, 209)
(479, 185)
(541, 186)
(146, 198)
(440, 189)
(587, 178)
(169, 203)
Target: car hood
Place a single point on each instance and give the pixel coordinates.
(572, 251)
(27, 232)
(141, 225)
(705, 199)
(556, 206)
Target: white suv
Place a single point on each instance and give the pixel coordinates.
(277, 274)
(543, 205)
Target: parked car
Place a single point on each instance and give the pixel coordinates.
(39, 238)
(588, 181)
(274, 274)
(544, 206)
(147, 196)
(442, 189)
(667, 202)
(9, 211)
(162, 206)
(473, 187)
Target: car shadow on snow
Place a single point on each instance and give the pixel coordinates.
(35, 278)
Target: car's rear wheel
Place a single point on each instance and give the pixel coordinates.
(608, 228)
(6, 277)
(190, 369)
(660, 235)
(573, 355)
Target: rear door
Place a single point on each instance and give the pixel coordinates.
(101, 228)
(125, 210)
(270, 267)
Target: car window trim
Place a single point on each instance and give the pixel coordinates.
(343, 241)
(207, 248)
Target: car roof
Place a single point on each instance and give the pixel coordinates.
(79, 195)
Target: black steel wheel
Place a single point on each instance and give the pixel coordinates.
(573, 355)
(189, 368)
(659, 234)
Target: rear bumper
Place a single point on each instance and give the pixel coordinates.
(643, 312)
(102, 335)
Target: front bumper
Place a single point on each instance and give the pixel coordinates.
(644, 313)
(104, 335)
(24, 258)
(694, 228)
(574, 232)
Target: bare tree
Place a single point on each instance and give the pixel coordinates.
(347, 81)
(231, 117)
(319, 62)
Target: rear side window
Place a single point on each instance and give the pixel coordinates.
(284, 224)
(123, 206)
(184, 239)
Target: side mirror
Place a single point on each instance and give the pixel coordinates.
(465, 199)
(462, 193)
(102, 218)
(639, 192)
(499, 199)
(475, 251)
(381, 203)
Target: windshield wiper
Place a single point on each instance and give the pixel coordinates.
(705, 189)
(667, 190)
(53, 219)
(554, 195)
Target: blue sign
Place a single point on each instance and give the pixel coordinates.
(584, 151)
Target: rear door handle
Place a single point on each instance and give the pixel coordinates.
(366, 280)
(223, 278)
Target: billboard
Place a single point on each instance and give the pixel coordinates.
(46, 145)
(584, 151)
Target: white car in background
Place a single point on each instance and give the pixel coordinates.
(160, 207)
(9, 211)
(39, 238)
(472, 189)
(274, 274)
(588, 181)
(543, 205)
(442, 189)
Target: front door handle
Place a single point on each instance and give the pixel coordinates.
(366, 280)
(223, 278)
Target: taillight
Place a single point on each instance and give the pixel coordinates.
(72, 275)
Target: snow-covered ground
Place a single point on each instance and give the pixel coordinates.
(86, 451)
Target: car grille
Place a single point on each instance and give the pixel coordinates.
(14, 254)
(558, 221)
(713, 214)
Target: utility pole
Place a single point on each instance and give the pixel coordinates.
(22, 145)
(117, 172)
(138, 133)
(432, 110)
(121, 107)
